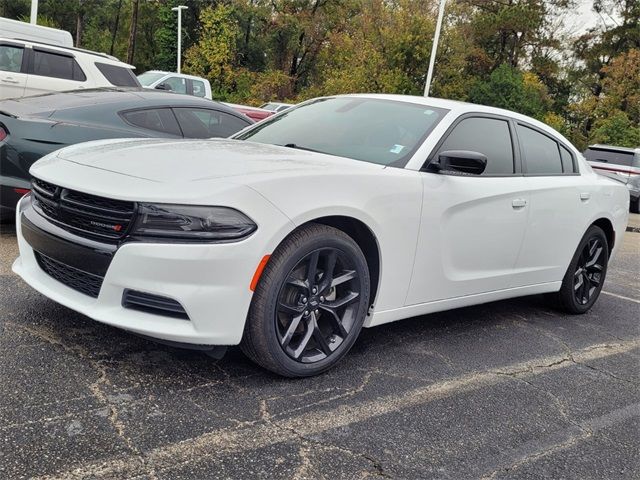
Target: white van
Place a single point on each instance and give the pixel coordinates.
(37, 33)
(176, 82)
(31, 68)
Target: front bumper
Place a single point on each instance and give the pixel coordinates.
(210, 281)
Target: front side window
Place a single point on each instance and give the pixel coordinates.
(488, 136)
(10, 58)
(156, 119)
(541, 153)
(203, 123)
(176, 84)
(48, 64)
(147, 78)
(118, 76)
(381, 131)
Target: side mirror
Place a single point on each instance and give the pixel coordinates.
(463, 161)
(163, 86)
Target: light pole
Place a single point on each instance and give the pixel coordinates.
(34, 11)
(179, 9)
(434, 48)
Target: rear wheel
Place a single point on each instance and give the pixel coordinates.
(310, 303)
(585, 276)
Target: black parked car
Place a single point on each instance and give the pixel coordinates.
(31, 127)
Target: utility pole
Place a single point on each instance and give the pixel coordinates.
(179, 9)
(34, 11)
(434, 48)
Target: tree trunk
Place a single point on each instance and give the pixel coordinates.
(115, 28)
(132, 32)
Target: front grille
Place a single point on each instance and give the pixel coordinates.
(150, 303)
(83, 282)
(86, 215)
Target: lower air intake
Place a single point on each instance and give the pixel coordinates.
(155, 304)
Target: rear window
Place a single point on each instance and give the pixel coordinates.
(609, 156)
(49, 64)
(118, 76)
(157, 119)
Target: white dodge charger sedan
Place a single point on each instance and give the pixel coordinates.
(339, 213)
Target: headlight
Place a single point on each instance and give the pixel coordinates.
(187, 222)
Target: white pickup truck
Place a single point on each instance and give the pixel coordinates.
(176, 82)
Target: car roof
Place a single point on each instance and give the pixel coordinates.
(119, 98)
(110, 59)
(174, 74)
(614, 148)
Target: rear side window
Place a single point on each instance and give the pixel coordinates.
(541, 153)
(203, 123)
(488, 136)
(568, 165)
(118, 76)
(198, 88)
(49, 64)
(10, 58)
(156, 119)
(608, 156)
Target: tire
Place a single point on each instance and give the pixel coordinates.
(634, 206)
(586, 274)
(295, 331)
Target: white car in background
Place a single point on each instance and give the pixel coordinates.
(276, 107)
(176, 82)
(31, 68)
(349, 211)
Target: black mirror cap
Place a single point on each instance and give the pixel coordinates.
(463, 161)
(163, 86)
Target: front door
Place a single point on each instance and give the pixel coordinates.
(472, 226)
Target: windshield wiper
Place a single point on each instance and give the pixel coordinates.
(298, 147)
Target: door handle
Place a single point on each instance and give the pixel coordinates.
(7, 80)
(584, 196)
(518, 203)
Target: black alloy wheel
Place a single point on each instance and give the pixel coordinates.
(317, 305)
(585, 276)
(588, 275)
(310, 303)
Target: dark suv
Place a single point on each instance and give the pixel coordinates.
(619, 163)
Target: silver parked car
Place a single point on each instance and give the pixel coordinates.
(619, 163)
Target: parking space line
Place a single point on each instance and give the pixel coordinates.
(621, 296)
(269, 431)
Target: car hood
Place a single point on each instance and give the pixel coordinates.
(171, 161)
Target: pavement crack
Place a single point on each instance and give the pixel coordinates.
(376, 465)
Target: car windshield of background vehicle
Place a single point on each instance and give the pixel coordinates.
(373, 130)
(148, 78)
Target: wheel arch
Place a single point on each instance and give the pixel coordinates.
(364, 237)
(607, 227)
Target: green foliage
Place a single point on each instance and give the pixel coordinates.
(616, 130)
(510, 89)
(509, 54)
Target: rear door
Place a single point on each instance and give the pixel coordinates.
(53, 70)
(561, 205)
(13, 67)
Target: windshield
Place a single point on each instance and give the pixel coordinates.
(147, 78)
(373, 130)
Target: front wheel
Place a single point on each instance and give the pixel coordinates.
(585, 276)
(310, 303)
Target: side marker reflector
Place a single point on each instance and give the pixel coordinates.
(258, 274)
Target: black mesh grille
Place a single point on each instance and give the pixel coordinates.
(150, 303)
(83, 282)
(86, 215)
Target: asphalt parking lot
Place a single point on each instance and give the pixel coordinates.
(511, 389)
